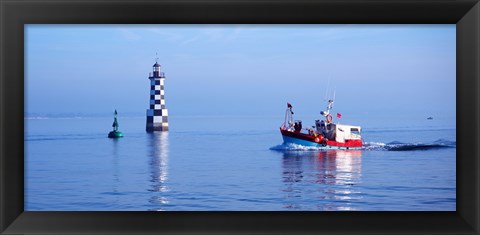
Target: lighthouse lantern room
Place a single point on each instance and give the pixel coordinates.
(157, 114)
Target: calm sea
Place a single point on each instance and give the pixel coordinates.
(236, 163)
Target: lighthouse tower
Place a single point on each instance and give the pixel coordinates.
(157, 114)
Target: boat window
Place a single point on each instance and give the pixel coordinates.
(355, 131)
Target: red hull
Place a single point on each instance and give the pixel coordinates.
(321, 141)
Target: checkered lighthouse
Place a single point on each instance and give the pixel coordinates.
(157, 114)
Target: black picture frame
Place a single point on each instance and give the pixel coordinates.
(15, 14)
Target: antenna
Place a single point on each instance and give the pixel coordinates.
(156, 57)
(328, 86)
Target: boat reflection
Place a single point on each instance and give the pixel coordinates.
(335, 174)
(158, 162)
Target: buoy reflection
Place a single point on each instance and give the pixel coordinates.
(115, 164)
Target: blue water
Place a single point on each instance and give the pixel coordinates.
(236, 163)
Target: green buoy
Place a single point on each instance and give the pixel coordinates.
(115, 133)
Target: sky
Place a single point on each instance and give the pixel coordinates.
(242, 69)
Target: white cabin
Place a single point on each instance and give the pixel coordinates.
(346, 132)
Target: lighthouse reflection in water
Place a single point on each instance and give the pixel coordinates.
(336, 174)
(158, 144)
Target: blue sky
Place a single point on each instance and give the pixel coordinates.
(242, 69)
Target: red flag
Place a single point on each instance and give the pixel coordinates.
(339, 115)
(289, 105)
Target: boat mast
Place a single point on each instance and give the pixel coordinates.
(330, 102)
(288, 116)
(329, 106)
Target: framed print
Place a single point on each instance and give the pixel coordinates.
(239, 117)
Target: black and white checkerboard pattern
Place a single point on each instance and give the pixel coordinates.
(157, 114)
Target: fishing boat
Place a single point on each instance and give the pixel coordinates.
(325, 134)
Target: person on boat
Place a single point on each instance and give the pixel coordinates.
(311, 131)
(298, 126)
